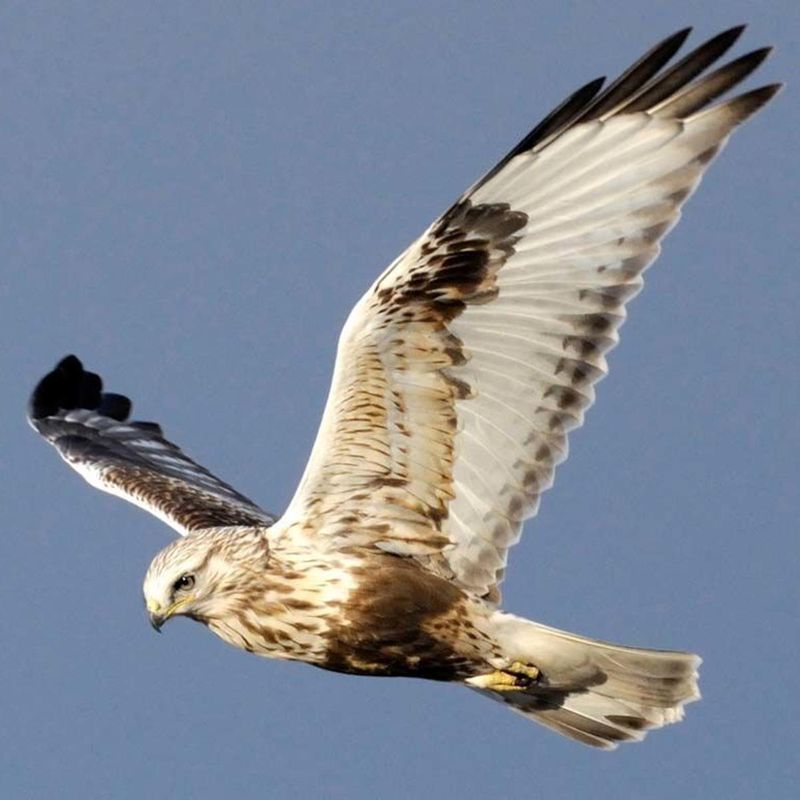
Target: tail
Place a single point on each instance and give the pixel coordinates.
(598, 693)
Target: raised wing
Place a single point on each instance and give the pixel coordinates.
(461, 371)
(91, 431)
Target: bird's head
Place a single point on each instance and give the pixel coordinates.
(196, 576)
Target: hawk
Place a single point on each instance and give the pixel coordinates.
(458, 377)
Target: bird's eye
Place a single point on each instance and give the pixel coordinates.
(183, 583)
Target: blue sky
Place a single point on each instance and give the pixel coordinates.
(193, 196)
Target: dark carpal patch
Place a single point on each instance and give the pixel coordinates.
(458, 260)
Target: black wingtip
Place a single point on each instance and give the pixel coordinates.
(69, 386)
(674, 42)
(70, 363)
(747, 104)
(733, 33)
(116, 406)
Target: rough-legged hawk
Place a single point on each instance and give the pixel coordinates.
(459, 375)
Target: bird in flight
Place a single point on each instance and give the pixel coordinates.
(458, 377)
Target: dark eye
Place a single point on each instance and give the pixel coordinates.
(183, 583)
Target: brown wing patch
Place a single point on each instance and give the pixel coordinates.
(189, 506)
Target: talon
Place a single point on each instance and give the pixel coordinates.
(515, 677)
(525, 672)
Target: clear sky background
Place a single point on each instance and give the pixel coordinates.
(193, 196)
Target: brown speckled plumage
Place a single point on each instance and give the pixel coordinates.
(458, 378)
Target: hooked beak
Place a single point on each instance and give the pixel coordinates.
(159, 615)
(156, 621)
(156, 615)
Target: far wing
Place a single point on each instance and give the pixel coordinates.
(462, 370)
(91, 431)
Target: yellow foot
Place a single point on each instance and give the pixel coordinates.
(515, 677)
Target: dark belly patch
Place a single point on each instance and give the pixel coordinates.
(403, 621)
